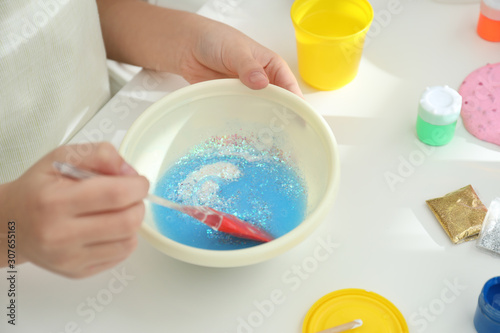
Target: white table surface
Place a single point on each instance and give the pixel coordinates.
(384, 239)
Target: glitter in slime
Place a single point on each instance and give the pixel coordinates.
(231, 176)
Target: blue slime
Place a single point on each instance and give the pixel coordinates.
(229, 175)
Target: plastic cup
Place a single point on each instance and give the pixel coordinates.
(330, 37)
(488, 25)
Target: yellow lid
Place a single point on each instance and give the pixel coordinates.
(343, 306)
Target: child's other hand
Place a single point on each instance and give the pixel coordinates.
(221, 51)
(76, 227)
(188, 44)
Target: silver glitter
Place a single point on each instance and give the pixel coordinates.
(489, 237)
(263, 187)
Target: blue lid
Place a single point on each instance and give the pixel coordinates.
(487, 317)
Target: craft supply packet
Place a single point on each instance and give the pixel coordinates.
(460, 213)
(489, 237)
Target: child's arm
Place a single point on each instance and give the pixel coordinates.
(193, 46)
(74, 228)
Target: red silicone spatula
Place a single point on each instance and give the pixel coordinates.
(216, 220)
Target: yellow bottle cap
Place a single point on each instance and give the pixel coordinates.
(343, 306)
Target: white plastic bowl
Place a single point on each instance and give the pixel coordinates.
(274, 116)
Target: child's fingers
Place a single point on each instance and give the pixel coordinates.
(280, 74)
(207, 74)
(106, 193)
(250, 71)
(258, 70)
(111, 226)
(110, 251)
(99, 157)
(101, 257)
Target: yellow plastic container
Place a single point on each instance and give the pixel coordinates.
(330, 36)
(378, 314)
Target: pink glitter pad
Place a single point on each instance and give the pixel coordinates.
(481, 103)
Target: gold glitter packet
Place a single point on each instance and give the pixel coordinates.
(460, 213)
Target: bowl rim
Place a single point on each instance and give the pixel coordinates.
(262, 252)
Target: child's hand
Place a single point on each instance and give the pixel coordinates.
(191, 45)
(221, 51)
(76, 227)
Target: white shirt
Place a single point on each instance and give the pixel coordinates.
(53, 77)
